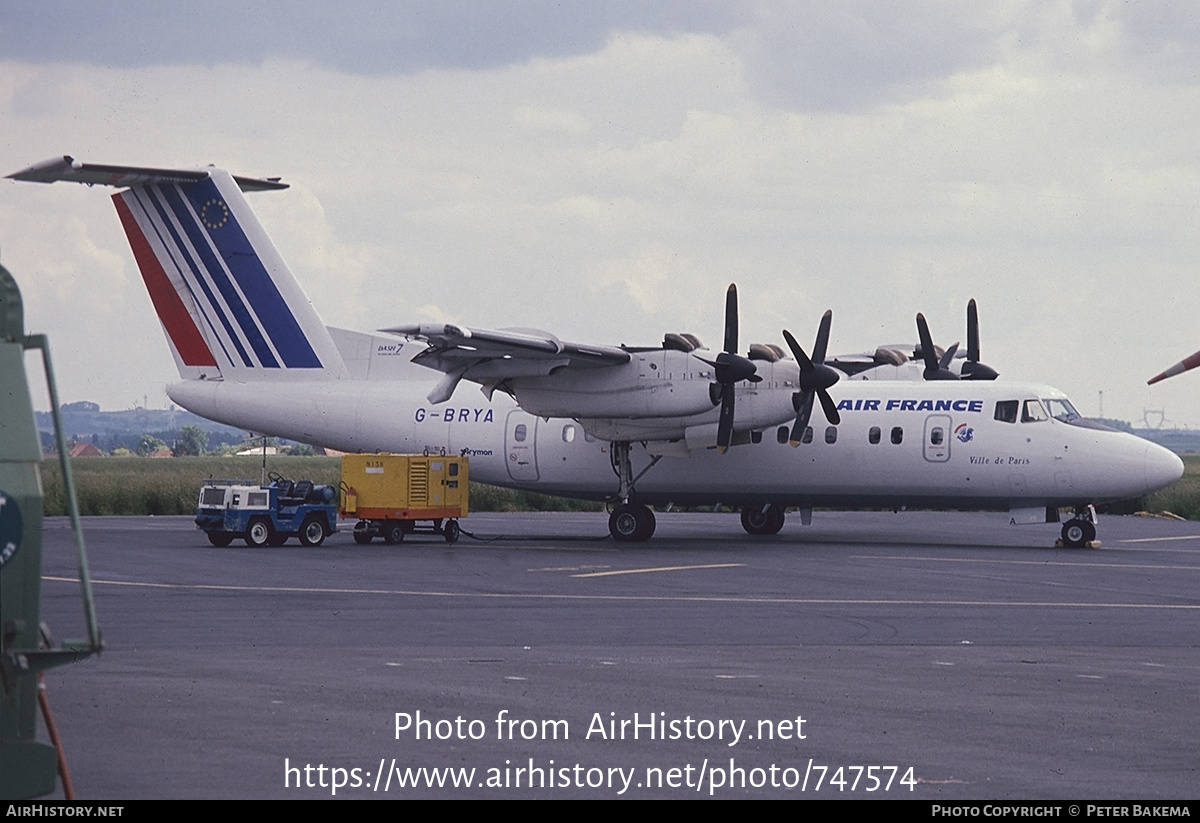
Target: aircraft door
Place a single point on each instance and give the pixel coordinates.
(520, 445)
(937, 438)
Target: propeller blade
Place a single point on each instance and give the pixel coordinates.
(933, 369)
(725, 424)
(729, 367)
(802, 417)
(797, 352)
(972, 331)
(973, 369)
(822, 343)
(927, 352)
(948, 357)
(831, 412)
(731, 319)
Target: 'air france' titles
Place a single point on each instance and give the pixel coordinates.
(975, 406)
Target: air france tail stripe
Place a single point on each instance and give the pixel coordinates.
(151, 199)
(178, 323)
(210, 264)
(242, 261)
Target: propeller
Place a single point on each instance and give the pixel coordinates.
(729, 368)
(815, 379)
(973, 369)
(934, 369)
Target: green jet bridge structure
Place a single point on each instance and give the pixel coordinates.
(27, 766)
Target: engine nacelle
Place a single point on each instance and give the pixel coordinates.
(760, 406)
(653, 384)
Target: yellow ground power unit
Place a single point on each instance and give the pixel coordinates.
(391, 493)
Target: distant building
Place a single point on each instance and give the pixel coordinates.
(85, 450)
(258, 451)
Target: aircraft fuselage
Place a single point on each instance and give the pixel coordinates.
(899, 444)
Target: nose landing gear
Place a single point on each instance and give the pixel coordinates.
(1080, 530)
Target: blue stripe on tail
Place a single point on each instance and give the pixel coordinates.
(208, 219)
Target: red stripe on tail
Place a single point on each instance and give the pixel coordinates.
(180, 327)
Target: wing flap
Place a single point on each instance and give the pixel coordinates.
(482, 354)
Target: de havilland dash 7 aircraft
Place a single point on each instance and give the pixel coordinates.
(674, 423)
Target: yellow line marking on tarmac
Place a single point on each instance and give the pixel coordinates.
(631, 598)
(567, 568)
(661, 569)
(1027, 562)
(1160, 539)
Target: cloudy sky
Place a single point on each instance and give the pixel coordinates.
(604, 170)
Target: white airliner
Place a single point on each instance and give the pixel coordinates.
(636, 426)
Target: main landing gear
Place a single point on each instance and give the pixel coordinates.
(630, 521)
(1080, 530)
(763, 519)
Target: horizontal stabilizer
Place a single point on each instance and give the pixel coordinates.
(228, 304)
(70, 170)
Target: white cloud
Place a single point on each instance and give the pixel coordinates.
(1046, 167)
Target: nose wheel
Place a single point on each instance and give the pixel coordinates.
(631, 523)
(1078, 533)
(1080, 530)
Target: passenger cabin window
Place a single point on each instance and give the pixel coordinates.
(1006, 411)
(897, 435)
(831, 434)
(1033, 412)
(807, 436)
(874, 435)
(519, 433)
(781, 434)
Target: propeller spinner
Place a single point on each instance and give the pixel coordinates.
(815, 379)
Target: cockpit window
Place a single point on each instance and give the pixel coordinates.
(1061, 409)
(1006, 411)
(1033, 411)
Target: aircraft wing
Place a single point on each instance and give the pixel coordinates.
(1179, 368)
(68, 169)
(489, 357)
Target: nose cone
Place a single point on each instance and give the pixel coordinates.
(1163, 467)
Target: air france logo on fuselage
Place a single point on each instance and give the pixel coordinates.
(898, 404)
(964, 432)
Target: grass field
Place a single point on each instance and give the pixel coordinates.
(1182, 498)
(141, 486)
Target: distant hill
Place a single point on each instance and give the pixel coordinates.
(84, 422)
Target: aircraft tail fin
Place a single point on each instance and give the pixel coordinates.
(228, 303)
